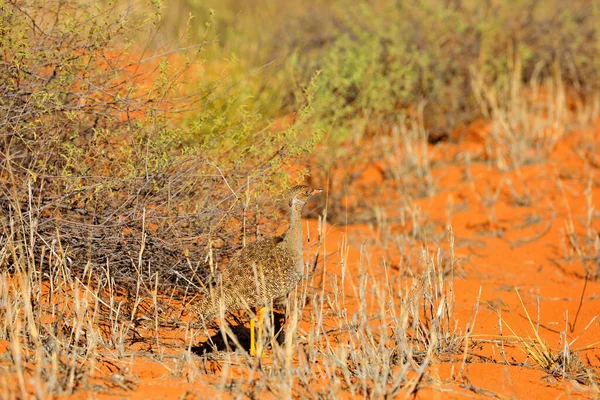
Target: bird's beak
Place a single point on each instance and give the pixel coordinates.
(316, 191)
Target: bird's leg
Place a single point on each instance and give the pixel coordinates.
(289, 304)
(279, 319)
(252, 336)
(261, 327)
(256, 329)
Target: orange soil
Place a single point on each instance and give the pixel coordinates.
(519, 242)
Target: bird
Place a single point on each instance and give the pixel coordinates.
(263, 272)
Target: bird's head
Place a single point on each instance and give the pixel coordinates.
(300, 194)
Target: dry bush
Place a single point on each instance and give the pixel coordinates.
(124, 172)
(121, 156)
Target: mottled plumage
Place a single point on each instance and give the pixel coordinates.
(264, 271)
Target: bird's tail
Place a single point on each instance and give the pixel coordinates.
(206, 308)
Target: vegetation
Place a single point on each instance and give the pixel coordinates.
(130, 167)
(377, 58)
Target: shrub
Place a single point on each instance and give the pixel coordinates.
(124, 155)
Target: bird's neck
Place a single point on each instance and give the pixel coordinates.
(293, 235)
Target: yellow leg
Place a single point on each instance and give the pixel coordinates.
(261, 325)
(252, 338)
(259, 328)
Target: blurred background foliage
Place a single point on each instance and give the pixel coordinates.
(379, 58)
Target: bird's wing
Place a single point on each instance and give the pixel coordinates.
(260, 250)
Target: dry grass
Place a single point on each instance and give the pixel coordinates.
(70, 331)
(564, 363)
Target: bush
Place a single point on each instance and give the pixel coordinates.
(124, 155)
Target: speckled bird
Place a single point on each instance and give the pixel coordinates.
(263, 272)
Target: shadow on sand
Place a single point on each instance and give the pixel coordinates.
(221, 342)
